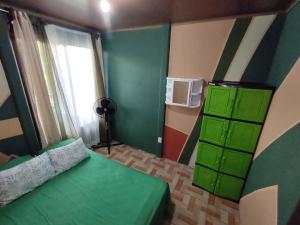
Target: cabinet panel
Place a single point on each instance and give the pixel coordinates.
(219, 101)
(229, 187)
(242, 136)
(251, 104)
(205, 178)
(235, 163)
(214, 130)
(209, 155)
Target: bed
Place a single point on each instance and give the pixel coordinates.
(98, 191)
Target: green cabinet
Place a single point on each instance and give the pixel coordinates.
(229, 186)
(214, 130)
(242, 136)
(231, 125)
(235, 163)
(219, 101)
(205, 178)
(251, 104)
(209, 156)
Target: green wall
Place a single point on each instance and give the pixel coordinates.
(288, 49)
(17, 104)
(259, 67)
(279, 162)
(135, 68)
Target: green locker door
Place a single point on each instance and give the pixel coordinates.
(219, 101)
(205, 178)
(242, 136)
(214, 130)
(251, 104)
(229, 187)
(209, 155)
(235, 163)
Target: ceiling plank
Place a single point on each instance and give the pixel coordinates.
(137, 13)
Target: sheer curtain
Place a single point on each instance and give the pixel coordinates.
(75, 61)
(31, 68)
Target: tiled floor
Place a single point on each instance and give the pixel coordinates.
(193, 206)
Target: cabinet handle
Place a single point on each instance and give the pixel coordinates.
(217, 184)
(237, 102)
(224, 160)
(224, 130)
(217, 159)
(229, 134)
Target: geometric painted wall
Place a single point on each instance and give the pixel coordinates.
(14, 108)
(195, 50)
(277, 158)
(11, 134)
(265, 49)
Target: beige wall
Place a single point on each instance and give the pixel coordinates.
(259, 207)
(10, 128)
(4, 89)
(284, 111)
(195, 51)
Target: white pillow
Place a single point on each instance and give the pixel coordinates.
(65, 157)
(23, 178)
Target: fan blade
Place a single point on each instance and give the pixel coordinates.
(105, 102)
(99, 110)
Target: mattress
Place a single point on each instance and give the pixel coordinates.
(98, 191)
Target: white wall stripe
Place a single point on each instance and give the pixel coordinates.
(253, 36)
(4, 89)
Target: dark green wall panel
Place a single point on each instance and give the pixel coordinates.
(15, 145)
(288, 49)
(279, 164)
(258, 68)
(8, 109)
(135, 66)
(14, 81)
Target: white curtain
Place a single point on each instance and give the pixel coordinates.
(34, 78)
(75, 61)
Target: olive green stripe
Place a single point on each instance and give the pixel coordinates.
(236, 36)
(191, 142)
(258, 69)
(14, 81)
(288, 48)
(279, 164)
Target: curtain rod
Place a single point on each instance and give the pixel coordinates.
(50, 19)
(4, 10)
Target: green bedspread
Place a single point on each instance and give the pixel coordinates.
(97, 191)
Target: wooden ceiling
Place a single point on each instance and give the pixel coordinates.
(136, 13)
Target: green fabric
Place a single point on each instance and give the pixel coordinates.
(97, 191)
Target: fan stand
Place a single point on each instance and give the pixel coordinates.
(107, 136)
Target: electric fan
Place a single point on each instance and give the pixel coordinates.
(106, 108)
